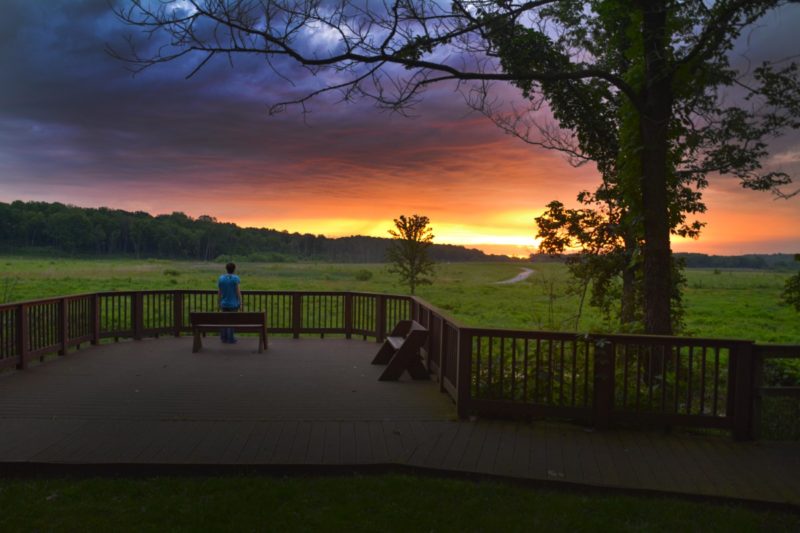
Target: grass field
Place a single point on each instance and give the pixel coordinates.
(374, 503)
(726, 304)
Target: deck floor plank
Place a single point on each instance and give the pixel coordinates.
(331, 454)
(316, 444)
(273, 431)
(237, 443)
(378, 442)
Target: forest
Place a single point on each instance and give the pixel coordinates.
(31, 227)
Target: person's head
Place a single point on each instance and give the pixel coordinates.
(230, 267)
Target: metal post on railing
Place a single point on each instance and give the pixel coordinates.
(348, 315)
(137, 315)
(63, 328)
(177, 312)
(22, 336)
(95, 319)
(743, 384)
(604, 352)
(380, 318)
(297, 314)
(463, 372)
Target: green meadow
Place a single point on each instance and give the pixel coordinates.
(725, 304)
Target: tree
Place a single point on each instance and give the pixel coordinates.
(656, 71)
(791, 291)
(408, 252)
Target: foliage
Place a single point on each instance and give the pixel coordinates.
(608, 264)
(351, 503)
(112, 232)
(409, 253)
(791, 291)
(363, 275)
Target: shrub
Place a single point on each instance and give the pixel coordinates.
(363, 275)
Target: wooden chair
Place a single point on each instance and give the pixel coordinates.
(252, 322)
(401, 352)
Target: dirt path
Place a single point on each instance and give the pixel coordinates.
(526, 272)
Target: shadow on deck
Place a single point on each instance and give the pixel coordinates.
(319, 403)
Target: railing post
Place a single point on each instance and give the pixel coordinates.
(380, 318)
(63, 314)
(743, 385)
(177, 312)
(604, 352)
(758, 382)
(137, 313)
(442, 356)
(95, 319)
(297, 314)
(463, 372)
(348, 315)
(22, 336)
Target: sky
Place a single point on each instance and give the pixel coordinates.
(76, 127)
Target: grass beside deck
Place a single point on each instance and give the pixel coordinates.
(353, 503)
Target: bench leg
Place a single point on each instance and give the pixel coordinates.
(197, 342)
(416, 369)
(384, 354)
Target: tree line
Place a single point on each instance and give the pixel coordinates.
(34, 226)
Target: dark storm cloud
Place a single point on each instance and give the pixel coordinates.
(70, 114)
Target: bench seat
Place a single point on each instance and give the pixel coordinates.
(244, 322)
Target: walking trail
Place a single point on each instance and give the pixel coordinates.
(526, 272)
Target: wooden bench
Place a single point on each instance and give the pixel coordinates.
(401, 351)
(249, 322)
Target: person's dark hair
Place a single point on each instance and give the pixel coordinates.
(230, 267)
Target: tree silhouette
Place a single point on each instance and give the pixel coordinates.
(409, 251)
(791, 291)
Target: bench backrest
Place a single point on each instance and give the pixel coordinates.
(228, 318)
(417, 326)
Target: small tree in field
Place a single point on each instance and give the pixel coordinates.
(408, 252)
(791, 292)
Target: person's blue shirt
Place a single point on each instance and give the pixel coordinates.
(227, 285)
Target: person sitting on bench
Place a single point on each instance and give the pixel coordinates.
(230, 299)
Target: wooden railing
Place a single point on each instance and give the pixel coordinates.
(598, 379)
(766, 355)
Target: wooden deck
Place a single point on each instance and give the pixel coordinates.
(319, 402)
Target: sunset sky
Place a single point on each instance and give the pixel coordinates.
(76, 127)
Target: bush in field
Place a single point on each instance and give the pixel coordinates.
(268, 257)
(791, 291)
(363, 275)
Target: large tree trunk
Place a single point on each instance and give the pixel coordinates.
(628, 307)
(656, 110)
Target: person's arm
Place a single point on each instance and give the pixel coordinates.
(239, 294)
(219, 298)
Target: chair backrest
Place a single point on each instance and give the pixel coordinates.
(228, 318)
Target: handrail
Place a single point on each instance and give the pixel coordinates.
(597, 377)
